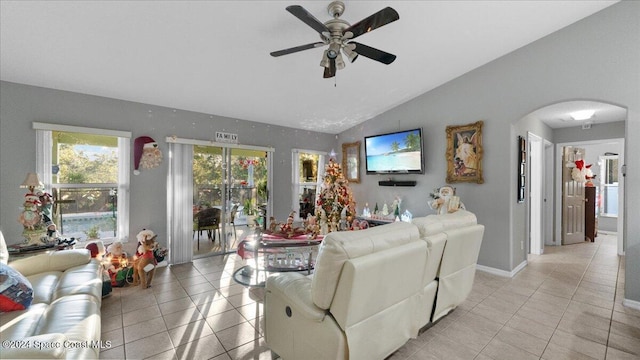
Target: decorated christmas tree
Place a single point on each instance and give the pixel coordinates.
(335, 199)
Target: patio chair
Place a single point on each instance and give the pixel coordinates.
(232, 219)
(209, 220)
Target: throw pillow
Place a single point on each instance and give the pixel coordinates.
(16, 292)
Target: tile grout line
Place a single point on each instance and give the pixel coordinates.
(572, 295)
(615, 297)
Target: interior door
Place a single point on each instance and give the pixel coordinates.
(573, 199)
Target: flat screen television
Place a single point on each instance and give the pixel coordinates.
(395, 153)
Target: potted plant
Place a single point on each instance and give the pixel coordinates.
(250, 211)
(93, 232)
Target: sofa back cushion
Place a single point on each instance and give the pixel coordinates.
(458, 268)
(52, 261)
(434, 224)
(338, 247)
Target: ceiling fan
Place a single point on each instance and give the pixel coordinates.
(338, 34)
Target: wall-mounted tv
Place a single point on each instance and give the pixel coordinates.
(395, 153)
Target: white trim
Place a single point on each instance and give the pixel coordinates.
(631, 304)
(309, 151)
(80, 129)
(177, 140)
(502, 273)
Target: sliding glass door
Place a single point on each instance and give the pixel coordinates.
(230, 196)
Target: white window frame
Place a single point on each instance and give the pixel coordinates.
(44, 144)
(295, 177)
(604, 185)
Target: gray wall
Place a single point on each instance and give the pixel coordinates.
(613, 130)
(594, 59)
(21, 105)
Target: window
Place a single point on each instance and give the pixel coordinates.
(308, 167)
(87, 173)
(609, 185)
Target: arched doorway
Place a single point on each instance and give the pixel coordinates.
(602, 132)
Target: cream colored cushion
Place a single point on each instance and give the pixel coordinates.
(337, 247)
(433, 224)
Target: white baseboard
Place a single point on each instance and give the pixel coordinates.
(631, 304)
(502, 273)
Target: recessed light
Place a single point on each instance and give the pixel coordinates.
(582, 114)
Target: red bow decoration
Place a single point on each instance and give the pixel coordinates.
(579, 164)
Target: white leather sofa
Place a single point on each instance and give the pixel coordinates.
(63, 321)
(372, 290)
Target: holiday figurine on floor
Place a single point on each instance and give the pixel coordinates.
(144, 266)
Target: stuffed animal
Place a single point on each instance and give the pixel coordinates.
(118, 260)
(144, 266)
(445, 201)
(96, 248)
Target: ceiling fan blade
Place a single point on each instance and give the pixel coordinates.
(381, 18)
(297, 48)
(330, 71)
(306, 17)
(373, 53)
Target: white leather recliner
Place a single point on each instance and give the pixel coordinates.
(372, 290)
(460, 236)
(368, 296)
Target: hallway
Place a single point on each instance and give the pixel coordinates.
(566, 304)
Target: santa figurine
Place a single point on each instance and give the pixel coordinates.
(145, 154)
(446, 202)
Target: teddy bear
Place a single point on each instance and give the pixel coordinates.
(445, 201)
(144, 266)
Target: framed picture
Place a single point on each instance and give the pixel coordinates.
(464, 153)
(522, 176)
(351, 161)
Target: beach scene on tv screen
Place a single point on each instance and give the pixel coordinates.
(394, 152)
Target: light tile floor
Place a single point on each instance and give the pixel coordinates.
(566, 304)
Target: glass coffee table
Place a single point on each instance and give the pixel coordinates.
(269, 254)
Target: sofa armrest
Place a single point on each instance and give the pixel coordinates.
(52, 261)
(295, 290)
(47, 346)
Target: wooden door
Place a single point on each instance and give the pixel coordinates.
(572, 199)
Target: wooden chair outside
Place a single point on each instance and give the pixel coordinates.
(209, 220)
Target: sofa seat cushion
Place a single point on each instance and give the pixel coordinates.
(75, 316)
(433, 224)
(44, 285)
(18, 325)
(338, 247)
(83, 279)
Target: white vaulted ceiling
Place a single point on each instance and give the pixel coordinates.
(213, 56)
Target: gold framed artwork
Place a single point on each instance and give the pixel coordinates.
(351, 161)
(464, 153)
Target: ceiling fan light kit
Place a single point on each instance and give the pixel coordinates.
(337, 34)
